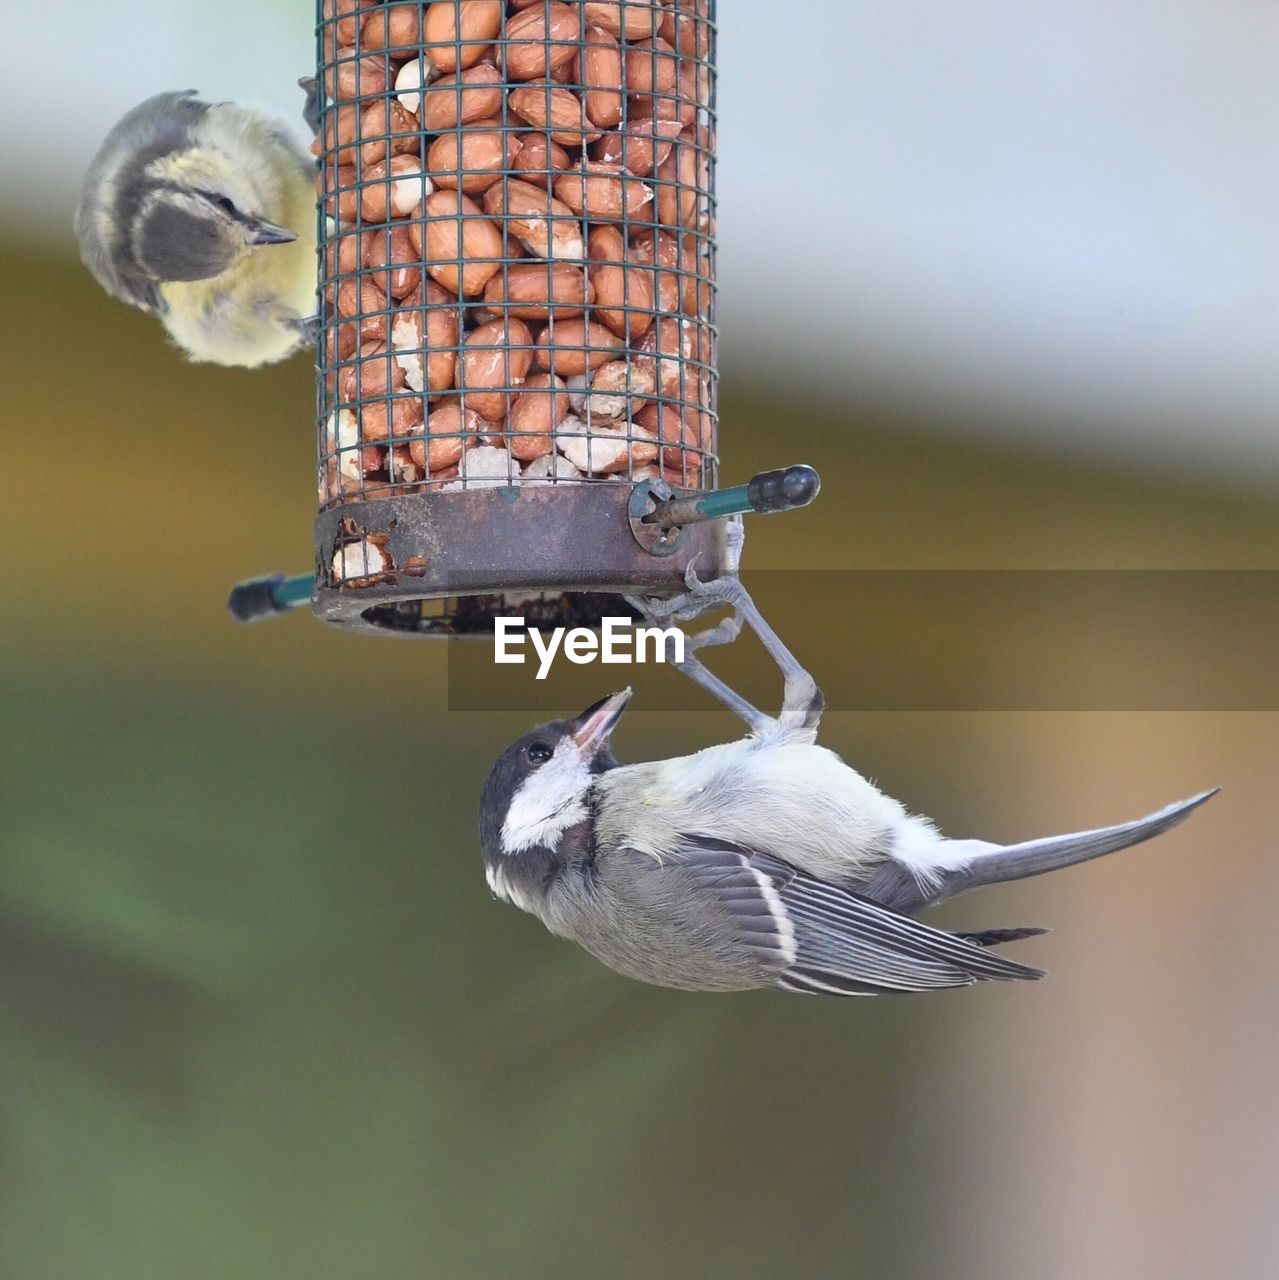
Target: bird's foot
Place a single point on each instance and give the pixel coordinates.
(721, 633)
(311, 108)
(309, 330)
(802, 701)
(734, 541)
(657, 612)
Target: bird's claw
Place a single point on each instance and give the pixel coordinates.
(680, 608)
(309, 330)
(311, 108)
(722, 633)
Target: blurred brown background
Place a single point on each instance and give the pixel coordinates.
(259, 1016)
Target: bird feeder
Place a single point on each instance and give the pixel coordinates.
(516, 298)
(516, 369)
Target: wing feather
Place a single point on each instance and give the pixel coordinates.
(825, 940)
(849, 916)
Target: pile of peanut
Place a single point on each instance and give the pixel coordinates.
(518, 270)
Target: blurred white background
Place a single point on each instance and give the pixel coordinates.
(1033, 221)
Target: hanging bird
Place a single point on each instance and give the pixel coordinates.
(204, 213)
(766, 862)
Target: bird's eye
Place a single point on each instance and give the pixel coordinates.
(220, 202)
(539, 753)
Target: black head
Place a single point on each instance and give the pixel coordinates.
(538, 786)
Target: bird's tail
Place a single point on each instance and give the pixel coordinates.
(992, 864)
(998, 937)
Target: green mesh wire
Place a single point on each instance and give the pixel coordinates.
(517, 246)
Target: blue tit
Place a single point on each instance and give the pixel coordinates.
(205, 214)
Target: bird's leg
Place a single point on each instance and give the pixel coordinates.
(697, 671)
(686, 609)
(802, 700)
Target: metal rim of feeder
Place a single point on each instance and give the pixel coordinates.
(408, 516)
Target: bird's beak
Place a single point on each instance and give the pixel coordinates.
(268, 233)
(592, 728)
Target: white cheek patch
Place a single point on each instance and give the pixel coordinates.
(548, 803)
(501, 887)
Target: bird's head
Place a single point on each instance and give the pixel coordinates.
(195, 219)
(537, 790)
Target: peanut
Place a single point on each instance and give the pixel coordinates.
(385, 129)
(356, 79)
(629, 21)
(463, 248)
(374, 374)
(542, 41)
(603, 192)
(603, 78)
(618, 389)
(458, 32)
(444, 442)
(651, 68)
(558, 110)
(393, 188)
(440, 345)
(545, 226)
(462, 99)
(495, 359)
(393, 26)
(343, 24)
(539, 159)
(538, 291)
(679, 440)
(574, 347)
(391, 256)
(623, 297)
(678, 189)
(602, 450)
(535, 414)
(472, 159)
(640, 147)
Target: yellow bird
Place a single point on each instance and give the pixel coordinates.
(204, 213)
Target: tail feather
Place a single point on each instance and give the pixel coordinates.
(1034, 857)
(997, 937)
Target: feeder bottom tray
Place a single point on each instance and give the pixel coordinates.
(448, 564)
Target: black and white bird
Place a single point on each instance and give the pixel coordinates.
(766, 862)
(204, 215)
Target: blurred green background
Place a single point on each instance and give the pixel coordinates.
(260, 1018)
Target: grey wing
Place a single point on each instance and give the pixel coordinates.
(700, 920)
(818, 939)
(160, 124)
(760, 925)
(848, 945)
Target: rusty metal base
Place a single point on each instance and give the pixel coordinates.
(556, 539)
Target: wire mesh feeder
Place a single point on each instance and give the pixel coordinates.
(516, 305)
